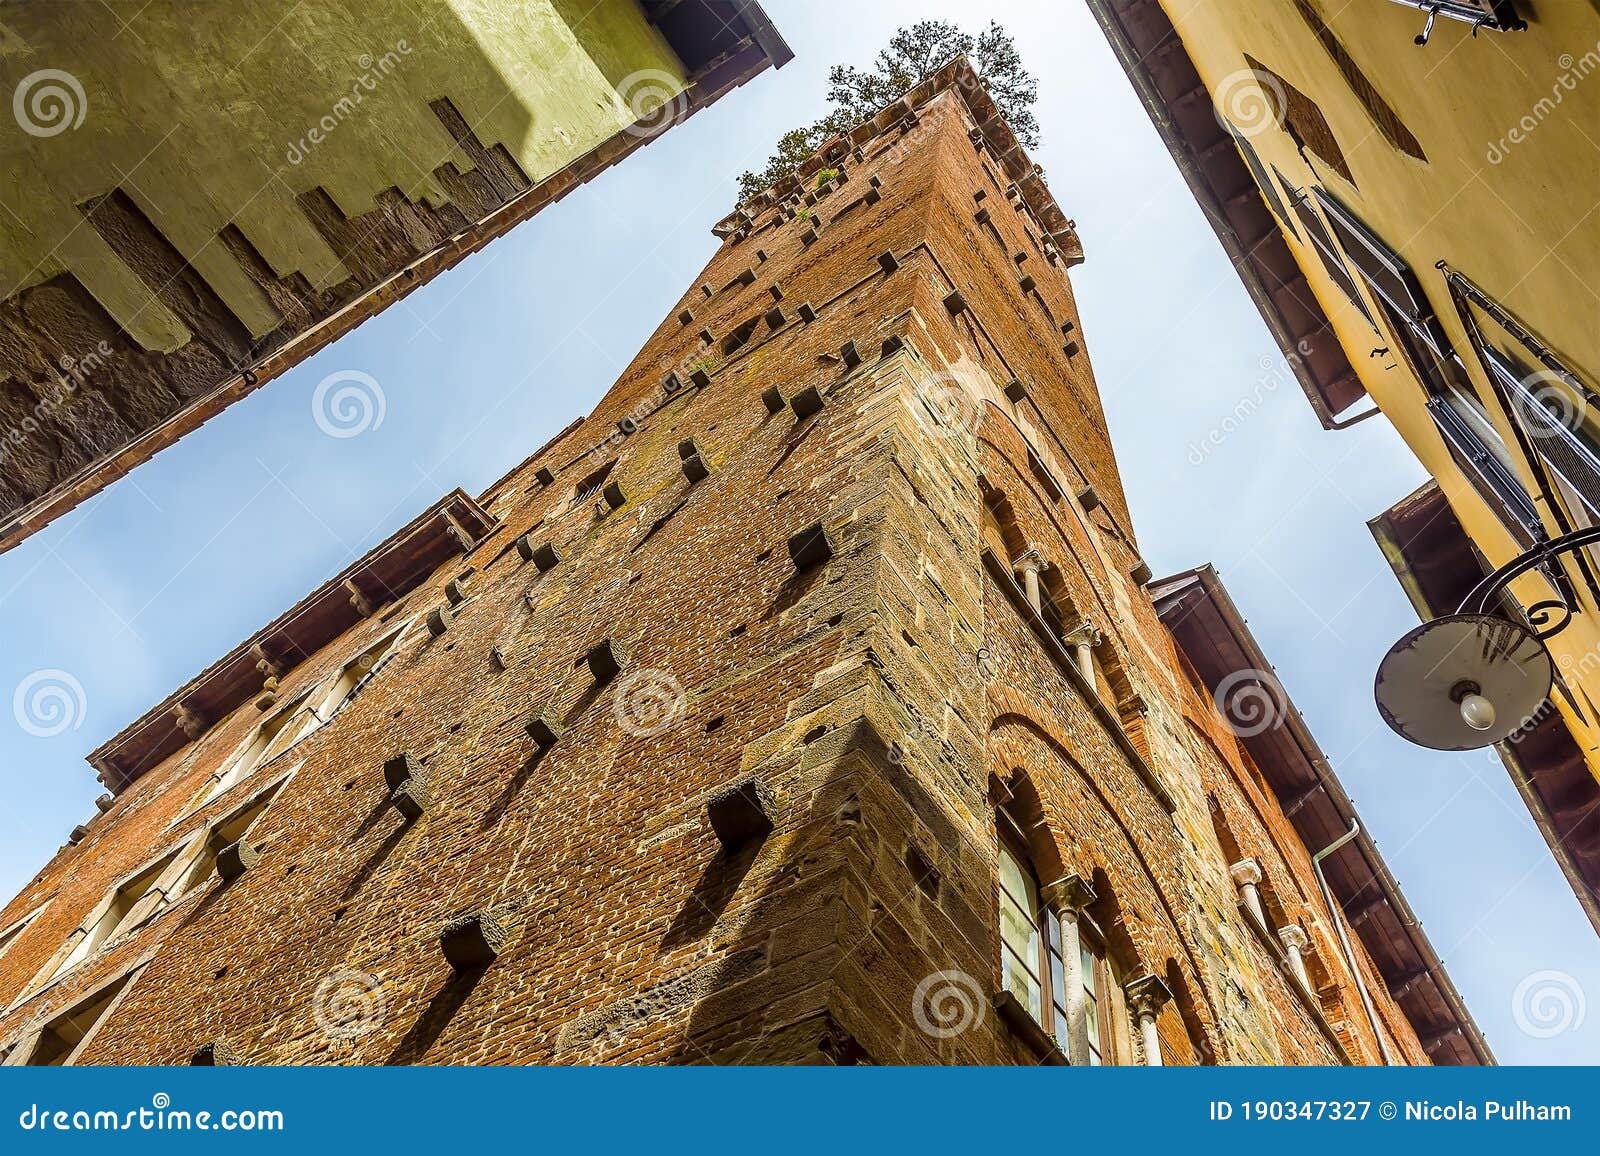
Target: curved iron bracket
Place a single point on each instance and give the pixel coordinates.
(1550, 616)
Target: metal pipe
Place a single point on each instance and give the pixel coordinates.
(1344, 939)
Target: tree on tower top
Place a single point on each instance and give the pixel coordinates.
(911, 54)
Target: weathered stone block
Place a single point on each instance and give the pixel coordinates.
(235, 859)
(439, 620)
(850, 355)
(700, 377)
(456, 590)
(1015, 390)
(545, 557)
(772, 398)
(888, 262)
(544, 729)
(472, 942)
(671, 383)
(954, 301)
(807, 402)
(615, 496)
(892, 344)
(742, 812)
(1027, 284)
(412, 798)
(810, 547)
(606, 660)
(398, 768)
(545, 476)
(776, 318)
(217, 1053)
(807, 312)
(695, 469)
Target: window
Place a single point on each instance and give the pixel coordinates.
(1388, 123)
(270, 739)
(1463, 423)
(356, 675)
(130, 905)
(1556, 411)
(1332, 261)
(590, 486)
(10, 935)
(221, 835)
(1269, 187)
(1032, 945)
(62, 1036)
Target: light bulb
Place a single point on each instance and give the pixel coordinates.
(1477, 712)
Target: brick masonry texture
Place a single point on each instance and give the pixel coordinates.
(874, 706)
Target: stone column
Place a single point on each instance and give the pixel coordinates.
(1031, 565)
(1083, 638)
(1068, 897)
(1147, 995)
(1295, 943)
(1246, 875)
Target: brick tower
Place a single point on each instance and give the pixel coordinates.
(808, 702)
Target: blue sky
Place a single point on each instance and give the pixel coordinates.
(145, 585)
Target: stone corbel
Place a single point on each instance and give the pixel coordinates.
(362, 604)
(190, 721)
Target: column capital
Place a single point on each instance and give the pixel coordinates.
(1245, 873)
(1147, 994)
(1083, 633)
(1294, 937)
(1030, 560)
(1069, 893)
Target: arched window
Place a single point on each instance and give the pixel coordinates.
(1052, 960)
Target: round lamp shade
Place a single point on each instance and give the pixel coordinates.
(1463, 681)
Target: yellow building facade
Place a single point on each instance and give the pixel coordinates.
(1411, 193)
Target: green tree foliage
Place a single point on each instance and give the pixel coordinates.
(911, 54)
